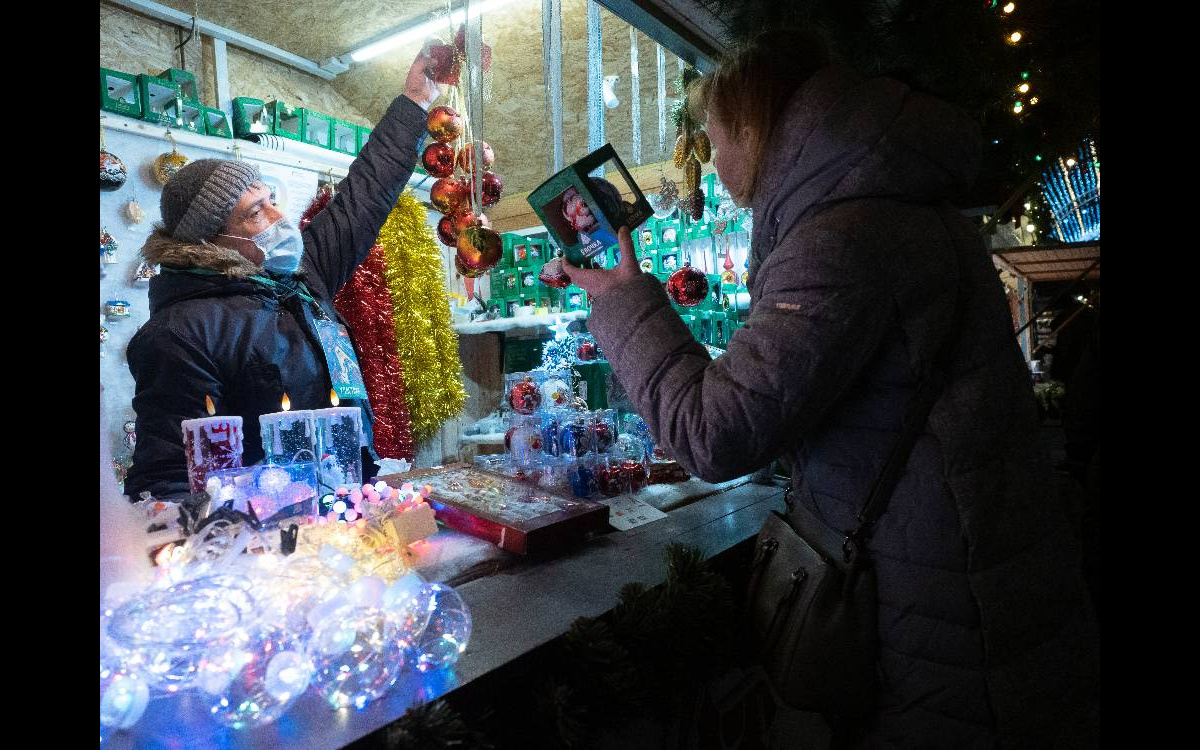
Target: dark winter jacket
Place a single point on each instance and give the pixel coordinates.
(246, 343)
(986, 633)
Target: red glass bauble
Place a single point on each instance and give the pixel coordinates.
(553, 275)
(446, 231)
(438, 159)
(493, 186)
(586, 351)
(466, 156)
(470, 273)
(687, 287)
(524, 397)
(448, 195)
(479, 248)
(444, 124)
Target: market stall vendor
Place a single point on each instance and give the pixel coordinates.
(244, 298)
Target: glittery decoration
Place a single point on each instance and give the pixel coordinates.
(166, 165)
(427, 345)
(113, 172)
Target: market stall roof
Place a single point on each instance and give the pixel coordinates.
(1065, 262)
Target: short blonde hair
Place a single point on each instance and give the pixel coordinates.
(752, 86)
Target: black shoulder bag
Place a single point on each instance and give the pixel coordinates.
(812, 601)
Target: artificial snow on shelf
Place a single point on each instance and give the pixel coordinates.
(516, 324)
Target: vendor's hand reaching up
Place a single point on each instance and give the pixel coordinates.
(419, 86)
(598, 281)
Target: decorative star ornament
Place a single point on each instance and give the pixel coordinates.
(560, 328)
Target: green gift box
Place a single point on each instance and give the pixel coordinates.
(668, 261)
(192, 116)
(345, 137)
(669, 234)
(215, 122)
(161, 101)
(720, 329)
(364, 133)
(496, 305)
(251, 117)
(504, 283)
(527, 280)
(120, 93)
(317, 129)
(576, 299)
(582, 213)
(648, 261)
(287, 122)
(647, 236)
(186, 81)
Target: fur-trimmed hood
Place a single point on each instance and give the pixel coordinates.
(162, 248)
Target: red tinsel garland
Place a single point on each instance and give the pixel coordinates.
(365, 303)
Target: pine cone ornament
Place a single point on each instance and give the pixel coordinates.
(691, 174)
(702, 147)
(696, 204)
(681, 150)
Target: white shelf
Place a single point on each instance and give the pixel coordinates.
(507, 325)
(488, 438)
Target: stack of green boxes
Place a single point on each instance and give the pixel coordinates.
(169, 98)
(515, 282)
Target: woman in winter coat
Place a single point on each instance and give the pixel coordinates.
(986, 634)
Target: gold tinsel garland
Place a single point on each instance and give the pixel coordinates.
(427, 344)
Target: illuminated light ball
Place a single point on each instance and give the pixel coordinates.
(124, 695)
(112, 172)
(1015, 37)
(493, 186)
(524, 396)
(339, 507)
(1023, 88)
(1070, 161)
(166, 165)
(448, 195)
(1033, 100)
(253, 679)
(444, 638)
(1009, 8)
(402, 602)
(1018, 108)
(367, 591)
(438, 159)
(356, 655)
(444, 124)
(553, 275)
(479, 248)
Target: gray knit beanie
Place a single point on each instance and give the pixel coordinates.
(198, 199)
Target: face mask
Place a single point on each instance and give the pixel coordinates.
(281, 245)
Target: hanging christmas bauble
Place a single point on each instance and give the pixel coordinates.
(133, 212)
(553, 275)
(466, 156)
(524, 396)
(446, 231)
(729, 277)
(129, 426)
(663, 202)
(112, 171)
(438, 159)
(130, 439)
(103, 334)
(493, 186)
(444, 124)
(166, 165)
(145, 271)
(696, 204)
(687, 287)
(468, 219)
(470, 273)
(449, 195)
(446, 63)
(745, 278)
(479, 248)
(108, 245)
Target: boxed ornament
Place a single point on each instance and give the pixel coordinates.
(582, 212)
(120, 93)
(192, 116)
(186, 81)
(251, 117)
(287, 122)
(669, 233)
(161, 101)
(345, 137)
(517, 516)
(667, 261)
(505, 283)
(576, 299)
(318, 128)
(216, 123)
(276, 492)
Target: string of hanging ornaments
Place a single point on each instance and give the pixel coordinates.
(462, 190)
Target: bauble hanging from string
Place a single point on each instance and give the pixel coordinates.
(467, 272)
(446, 232)
(108, 246)
(688, 286)
(438, 159)
(466, 156)
(112, 170)
(493, 186)
(479, 248)
(664, 201)
(166, 165)
(134, 213)
(449, 194)
(444, 124)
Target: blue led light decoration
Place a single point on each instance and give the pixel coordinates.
(1072, 192)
